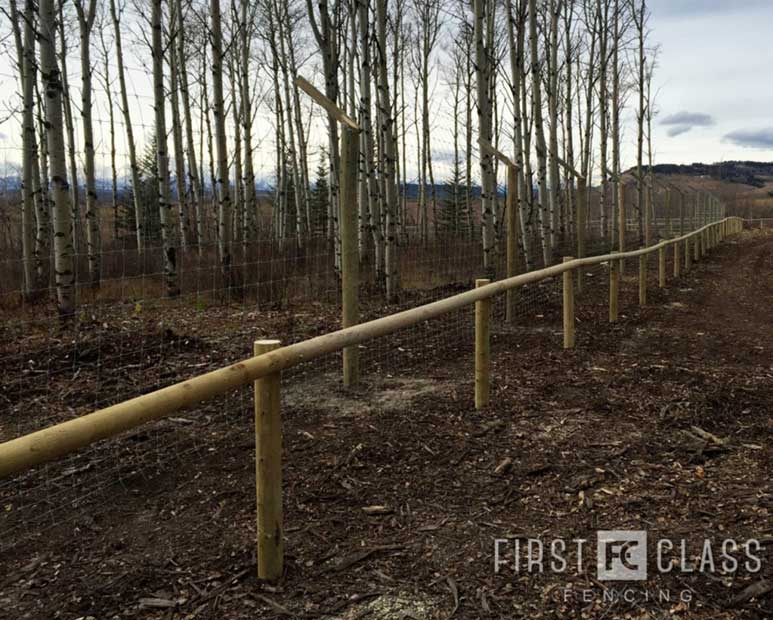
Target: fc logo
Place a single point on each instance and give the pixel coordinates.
(621, 555)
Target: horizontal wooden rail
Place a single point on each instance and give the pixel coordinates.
(56, 441)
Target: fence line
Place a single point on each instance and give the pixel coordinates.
(56, 441)
(47, 444)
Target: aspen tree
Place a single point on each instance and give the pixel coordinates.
(26, 74)
(71, 144)
(372, 203)
(483, 65)
(52, 83)
(555, 7)
(603, 10)
(389, 140)
(86, 16)
(539, 130)
(223, 186)
(619, 189)
(111, 120)
(291, 152)
(248, 182)
(162, 156)
(127, 121)
(639, 15)
(515, 32)
(194, 178)
(183, 220)
(325, 30)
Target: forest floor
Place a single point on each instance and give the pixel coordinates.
(660, 422)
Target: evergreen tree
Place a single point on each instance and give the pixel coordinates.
(147, 196)
(452, 222)
(320, 197)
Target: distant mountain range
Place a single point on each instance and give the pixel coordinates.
(747, 172)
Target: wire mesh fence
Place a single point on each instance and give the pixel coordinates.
(58, 374)
(128, 337)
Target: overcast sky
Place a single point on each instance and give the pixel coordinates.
(715, 96)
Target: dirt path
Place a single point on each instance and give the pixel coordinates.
(601, 437)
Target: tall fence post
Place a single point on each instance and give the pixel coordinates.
(350, 260)
(614, 288)
(677, 257)
(568, 306)
(512, 241)
(662, 267)
(643, 279)
(482, 348)
(268, 470)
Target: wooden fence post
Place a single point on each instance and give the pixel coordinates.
(696, 248)
(268, 470)
(482, 348)
(643, 279)
(687, 255)
(614, 287)
(350, 260)
(662, 267)
(568, 306)
(512, 240)
(677, 257)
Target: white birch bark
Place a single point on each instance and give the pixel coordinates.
(162, 156)
(86, 16)
(62, 214)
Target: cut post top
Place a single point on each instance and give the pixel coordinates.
(332, 109)
(489, 148)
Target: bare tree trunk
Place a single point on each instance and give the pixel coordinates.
(237, 231)
(193, 173)
(515, 24)
(70, 127)
(250, 200)
(210, 143)
(23, 49)
(135, 173)
(93, 241)
(222, 181)
(552, 96)
(292, 155)
(162, 155)
(539, 129)
(111, 117)
(177, 141)
(483, 63)
(389, 141)
(325, 31)
(63, 248)
(603, 10)
(367, 150)
(640, 22)
(619, 190)
(568, 213)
